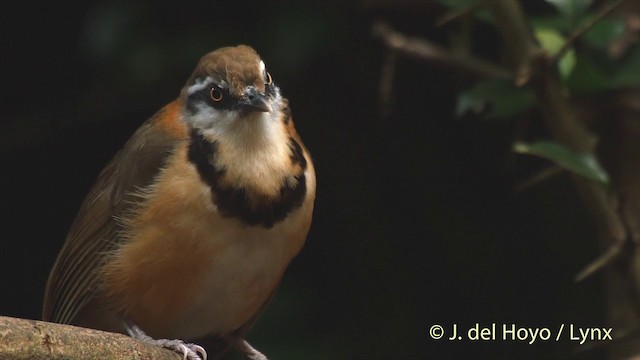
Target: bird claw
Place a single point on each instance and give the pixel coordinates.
(185, 351)
(199, 350)
(188, 351)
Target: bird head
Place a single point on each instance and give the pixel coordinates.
(230, 89)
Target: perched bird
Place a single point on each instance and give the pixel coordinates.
(188, 230)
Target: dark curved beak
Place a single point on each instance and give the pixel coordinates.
(254, 100)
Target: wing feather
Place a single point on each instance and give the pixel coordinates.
(96, 230)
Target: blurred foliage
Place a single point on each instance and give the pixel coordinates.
(586, 66)
(596, 72)
(604, 33)
(571, 10)
(582, 164)
(498, 98)
(552, 41)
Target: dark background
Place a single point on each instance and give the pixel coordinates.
(416, 221)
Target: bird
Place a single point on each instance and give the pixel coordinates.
(188, 230)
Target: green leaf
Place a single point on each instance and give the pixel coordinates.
(567, 63)
(585, 165)
(505, 99)
(598, 72)
(572, 9)
(552, 41)
(589, 77)
(604, 32)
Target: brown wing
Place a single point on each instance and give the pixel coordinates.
(95, 230)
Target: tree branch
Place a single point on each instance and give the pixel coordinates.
(559, 114)
(424, 50)
(539, 178)
(386, 82)
(457, 13)
(516, 32)
(31, 339)
(605, 10)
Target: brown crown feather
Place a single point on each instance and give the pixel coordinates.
(239, 66)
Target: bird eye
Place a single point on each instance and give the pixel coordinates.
(216, 94)
(268, 78)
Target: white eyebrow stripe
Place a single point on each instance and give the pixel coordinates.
(262, 67)
(199, 85)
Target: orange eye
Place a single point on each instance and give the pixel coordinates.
(216, 94)
(269, 79)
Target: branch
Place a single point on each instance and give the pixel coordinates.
(457, 13)
(386, 82)
(562, 120)
(31, 339)
(609, 256)
(560, 115)
(516, 32)
(539, 178)
(605, 10)
(425, 50)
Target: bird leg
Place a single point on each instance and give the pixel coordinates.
(188, 351)
(245, 348)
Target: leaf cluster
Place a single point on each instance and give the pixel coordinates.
(577, 40)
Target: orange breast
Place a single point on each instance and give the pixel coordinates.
(185, 271)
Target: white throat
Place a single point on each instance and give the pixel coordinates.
(253, 148)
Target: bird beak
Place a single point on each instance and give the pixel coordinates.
(254, 100)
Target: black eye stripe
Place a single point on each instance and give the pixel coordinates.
(204, 95)
(225, 100)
